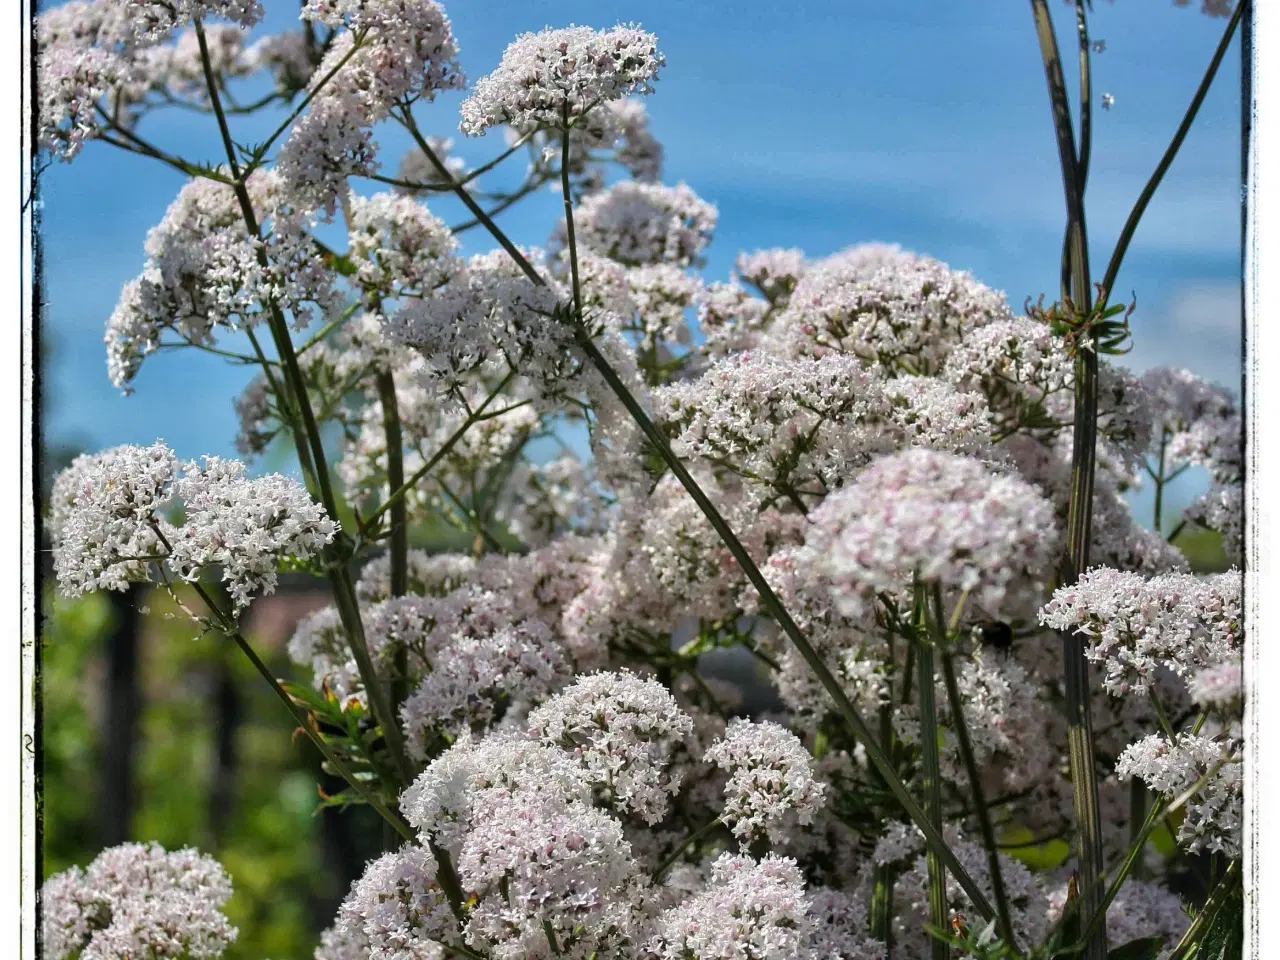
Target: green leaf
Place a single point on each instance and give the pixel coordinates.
(1224, 939)
(1144, 948)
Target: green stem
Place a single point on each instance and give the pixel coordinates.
(397, 495)
(301, 718)
(930, 771)
(356, 41)
(1159, 480)
(393, 821)
(1137, 816)
(685, 844)
(1159, 811)
(1226, 886)
(975, 779)
(881, 919)
(1083, 768)
(568, 214)
(399, 545)
(1140, 206)
(1163, 718)
(340, 577)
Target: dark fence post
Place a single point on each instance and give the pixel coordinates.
(123, 706)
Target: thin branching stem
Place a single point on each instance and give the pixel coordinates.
(223, 624)
(398, 494)
(309, 440)
(1160, 810)
(1148, 191)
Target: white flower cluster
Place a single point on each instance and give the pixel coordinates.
(1139, 910)
(395, 49)
(108, 524)
(1219, 687)
(902, 844)
(400, 249)
(775, 273)
(730, 319)
(890, 308)
(96, 50)
(622, 728)
(396, 909)
(771, 780)
(749, 909)
(549, 872)
(640, 224)
(1137, 627)
(947, 519)
(797, 426)
(137, 900)
(554, 77)
(1214, 815)
(477, 674)
(206, 271)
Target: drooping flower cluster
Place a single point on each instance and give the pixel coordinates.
(1214, 815)
(394, 49)
(137, 900)
(107, 53)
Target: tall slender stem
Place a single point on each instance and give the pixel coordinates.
(980, 808)
(1084, 777)
(340, 577)
(399, 541)
(568, 215)
(930, 769)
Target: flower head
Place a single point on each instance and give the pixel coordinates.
(947, 519)
(547, 76)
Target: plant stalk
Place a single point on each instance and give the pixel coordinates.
(1084, 776)
(339, 575)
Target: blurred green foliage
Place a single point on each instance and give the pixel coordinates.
(271, 840)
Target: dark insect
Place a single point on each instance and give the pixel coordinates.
(995, 634)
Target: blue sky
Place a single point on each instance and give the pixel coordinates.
(816, 124)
